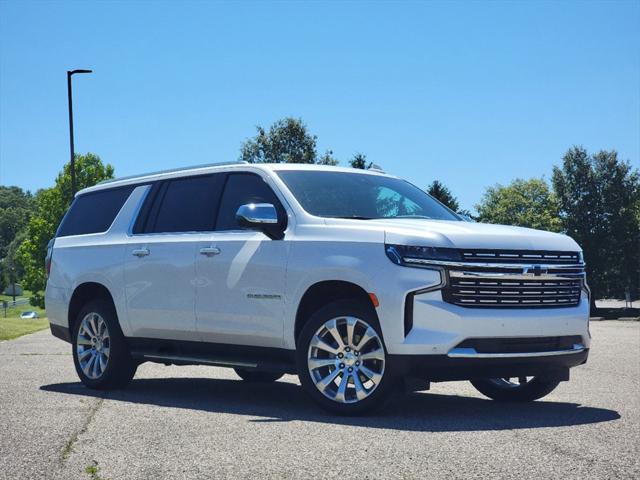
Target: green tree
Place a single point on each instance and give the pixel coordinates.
(16, 207)
(286, 141)
(599, 200)
(327, 158)
(440, 192)
(359, 160)
(525, 203)
(51, 205)
(11, 260)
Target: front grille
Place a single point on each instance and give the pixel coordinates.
(521, 344)
(515, 279)
(520, 256)
(469, 291)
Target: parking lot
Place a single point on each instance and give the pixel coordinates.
(203, 422)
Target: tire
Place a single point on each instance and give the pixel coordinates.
(102, 360)
(331, 372)
(527, 389)
(257, 376)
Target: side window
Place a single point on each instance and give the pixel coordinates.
(93, 212)
(144, 215)
(240, 189)
(186, 205)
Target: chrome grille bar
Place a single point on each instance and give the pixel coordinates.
(542, 256)
(485, 265)
(521, 284)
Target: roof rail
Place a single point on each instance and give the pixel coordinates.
(375, 168)
(173, 170)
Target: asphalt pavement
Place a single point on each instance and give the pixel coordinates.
(203, 422)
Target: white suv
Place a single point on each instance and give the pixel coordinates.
(356, 281)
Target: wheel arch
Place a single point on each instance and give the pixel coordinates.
(324, 292)
(82, 294)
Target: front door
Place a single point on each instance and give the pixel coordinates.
(241, 273)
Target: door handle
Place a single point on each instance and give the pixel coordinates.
(210, 251)
(141, 252)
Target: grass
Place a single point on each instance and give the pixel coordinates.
(93, 470)
(13, 326)
(68, 447)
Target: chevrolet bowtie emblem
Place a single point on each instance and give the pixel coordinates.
(535, 270)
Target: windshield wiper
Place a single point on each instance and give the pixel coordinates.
(354, 217)
(411, 216)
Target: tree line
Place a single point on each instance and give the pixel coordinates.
(594, 198)
(23, 254)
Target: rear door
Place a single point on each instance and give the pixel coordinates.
(159, 259)
(241, 273)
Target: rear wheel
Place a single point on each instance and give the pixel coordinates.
(515, 389)
(257, 376)
(342, 360)
(100, 352)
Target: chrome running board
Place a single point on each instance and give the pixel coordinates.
(186, 360)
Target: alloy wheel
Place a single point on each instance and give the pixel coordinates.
(93, 345)
(346, 359)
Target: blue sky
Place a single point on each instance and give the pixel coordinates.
(472, 94)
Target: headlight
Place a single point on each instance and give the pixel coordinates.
(417, 256)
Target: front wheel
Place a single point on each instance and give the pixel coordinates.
(519, 389)
(342, 361)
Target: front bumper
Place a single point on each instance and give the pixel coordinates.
(444, 303)
(441, 368)
(437, 327)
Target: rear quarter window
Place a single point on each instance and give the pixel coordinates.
(93, 212)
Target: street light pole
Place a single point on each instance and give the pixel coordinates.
(73, 161)
(13, 282)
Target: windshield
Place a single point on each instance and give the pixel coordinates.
(362, 196)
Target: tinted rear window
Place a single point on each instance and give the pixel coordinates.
(93, 212)
(188, 205)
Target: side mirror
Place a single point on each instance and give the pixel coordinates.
(260, 216)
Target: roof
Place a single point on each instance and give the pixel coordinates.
(212, 167)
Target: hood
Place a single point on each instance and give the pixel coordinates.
(440, 233)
